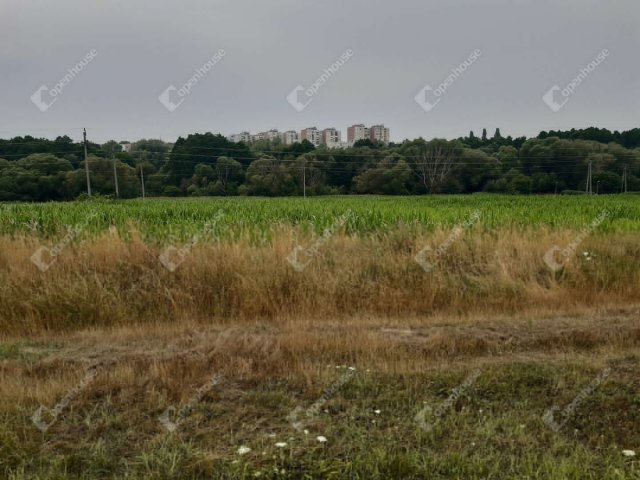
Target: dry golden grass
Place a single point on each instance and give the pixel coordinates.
(276, 336)
(527, 364)
(110, 282)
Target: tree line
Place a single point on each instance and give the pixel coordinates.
(37, 169)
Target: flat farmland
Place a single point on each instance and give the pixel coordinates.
(331, 337)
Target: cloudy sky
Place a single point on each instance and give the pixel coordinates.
(143, 47)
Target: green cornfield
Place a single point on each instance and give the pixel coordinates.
(257, 218)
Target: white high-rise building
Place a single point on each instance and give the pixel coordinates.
(289, 137)
(268, 135)
(271, 134)
(312, 134)
(240, 137)
(330, 137)
(357, 132)
(379, 133)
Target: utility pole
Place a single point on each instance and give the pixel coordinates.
(589, 181)
(623, 187)
(86, 162)
(115, 174)
(304, 179)
(142, 180)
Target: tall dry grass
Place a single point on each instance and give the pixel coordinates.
(111, 282)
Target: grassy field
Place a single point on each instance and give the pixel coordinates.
(255, 218)
(357, 338)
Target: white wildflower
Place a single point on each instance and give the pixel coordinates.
(242, 450)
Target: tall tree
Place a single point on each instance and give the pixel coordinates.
(435, 161)
(391, 176)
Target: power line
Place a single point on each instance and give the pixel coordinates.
(409, 160)
(115, 176)
(86, 163)
(315, 152)
(572, 168)
(142, 180)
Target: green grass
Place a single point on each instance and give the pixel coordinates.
(22, 351)
(159, 219)
(494, 430)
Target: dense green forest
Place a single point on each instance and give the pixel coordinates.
(38, 169)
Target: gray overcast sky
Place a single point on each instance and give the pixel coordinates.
(399, 46)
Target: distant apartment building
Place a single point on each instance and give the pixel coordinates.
(126, 146)
(289, 137)
(378, 133)
(271, 134)
(240, 137)
(357, 132)
(268, 135)
(330, 137)
(311, 134)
